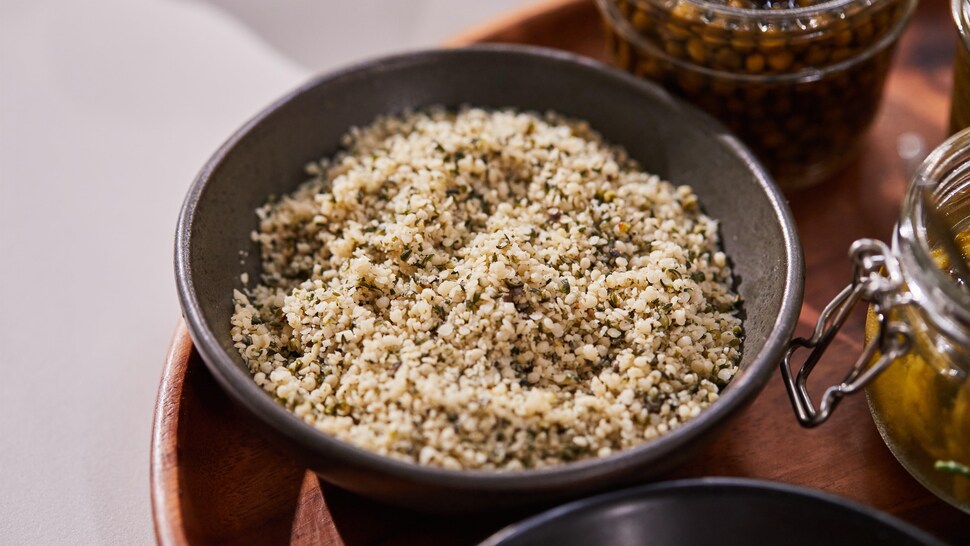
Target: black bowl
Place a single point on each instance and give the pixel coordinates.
(669, 138)
(712, 511)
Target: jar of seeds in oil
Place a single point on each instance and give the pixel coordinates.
(799, 81)
(915, 361)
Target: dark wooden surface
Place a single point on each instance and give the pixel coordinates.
(216, 481)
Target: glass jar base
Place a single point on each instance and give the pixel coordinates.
(806, 176)
(913, 471)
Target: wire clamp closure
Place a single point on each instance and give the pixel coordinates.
(878, 280)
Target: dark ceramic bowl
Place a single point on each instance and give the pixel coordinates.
(669, 137)
(715, 512)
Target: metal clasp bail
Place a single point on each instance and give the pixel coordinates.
(877, 279)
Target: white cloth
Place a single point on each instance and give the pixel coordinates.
(107, 110)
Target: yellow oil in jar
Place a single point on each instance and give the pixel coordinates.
(923, 414)
(960, 107)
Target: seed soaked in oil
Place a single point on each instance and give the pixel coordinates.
(921, 404)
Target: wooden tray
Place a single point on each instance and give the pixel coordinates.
(215, 481)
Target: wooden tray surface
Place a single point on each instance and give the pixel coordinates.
(215, 481)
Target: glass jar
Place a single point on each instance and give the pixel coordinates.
(960, 110)
(916, 362)
(799, 86)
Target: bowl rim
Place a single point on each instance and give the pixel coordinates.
(715, 484)
(244, 390)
